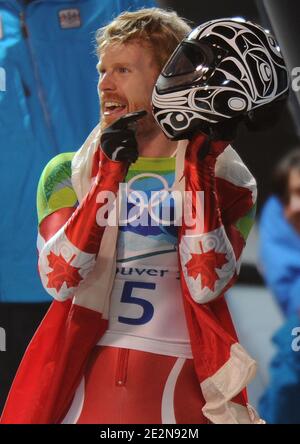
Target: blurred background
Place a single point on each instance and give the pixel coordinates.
(50, 104)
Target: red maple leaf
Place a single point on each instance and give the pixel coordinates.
(62, 272)
(205, 264)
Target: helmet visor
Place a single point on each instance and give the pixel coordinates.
(190, 62)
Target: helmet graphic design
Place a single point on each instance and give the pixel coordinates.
(223, 69)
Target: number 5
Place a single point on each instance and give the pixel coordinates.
(129, 299)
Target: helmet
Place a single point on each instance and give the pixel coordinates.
(220, 73)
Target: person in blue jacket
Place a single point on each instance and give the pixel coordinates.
(48, 105)
(279, 231)
(280, 265)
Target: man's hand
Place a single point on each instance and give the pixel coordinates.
(118, 141)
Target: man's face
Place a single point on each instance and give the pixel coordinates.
(128, 73)
(292, 209)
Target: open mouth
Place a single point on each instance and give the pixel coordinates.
(113, 108)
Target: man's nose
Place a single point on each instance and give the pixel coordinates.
(106, 82)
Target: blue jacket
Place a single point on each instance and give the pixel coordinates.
(49, 105)
(280, 256)
(280, 402)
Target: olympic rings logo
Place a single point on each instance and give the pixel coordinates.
(143, 206)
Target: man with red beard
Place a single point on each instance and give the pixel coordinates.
(128, 339)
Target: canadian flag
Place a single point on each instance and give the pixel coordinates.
(208, 263)
(63, 266)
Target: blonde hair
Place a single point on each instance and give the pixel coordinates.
(162, 30)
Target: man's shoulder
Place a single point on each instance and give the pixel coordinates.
(55, 188)
(60, 164)
(230, 167)
(57, 170)
(237, 191)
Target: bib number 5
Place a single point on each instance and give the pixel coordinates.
(148, 309)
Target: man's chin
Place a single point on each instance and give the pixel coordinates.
(105, 123)
(108, 120)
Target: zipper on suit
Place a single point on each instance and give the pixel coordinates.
(122, 366)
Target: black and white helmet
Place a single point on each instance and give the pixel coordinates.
(223, 69)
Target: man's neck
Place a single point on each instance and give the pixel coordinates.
(156, 145)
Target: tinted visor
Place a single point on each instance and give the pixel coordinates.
(190, 62)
